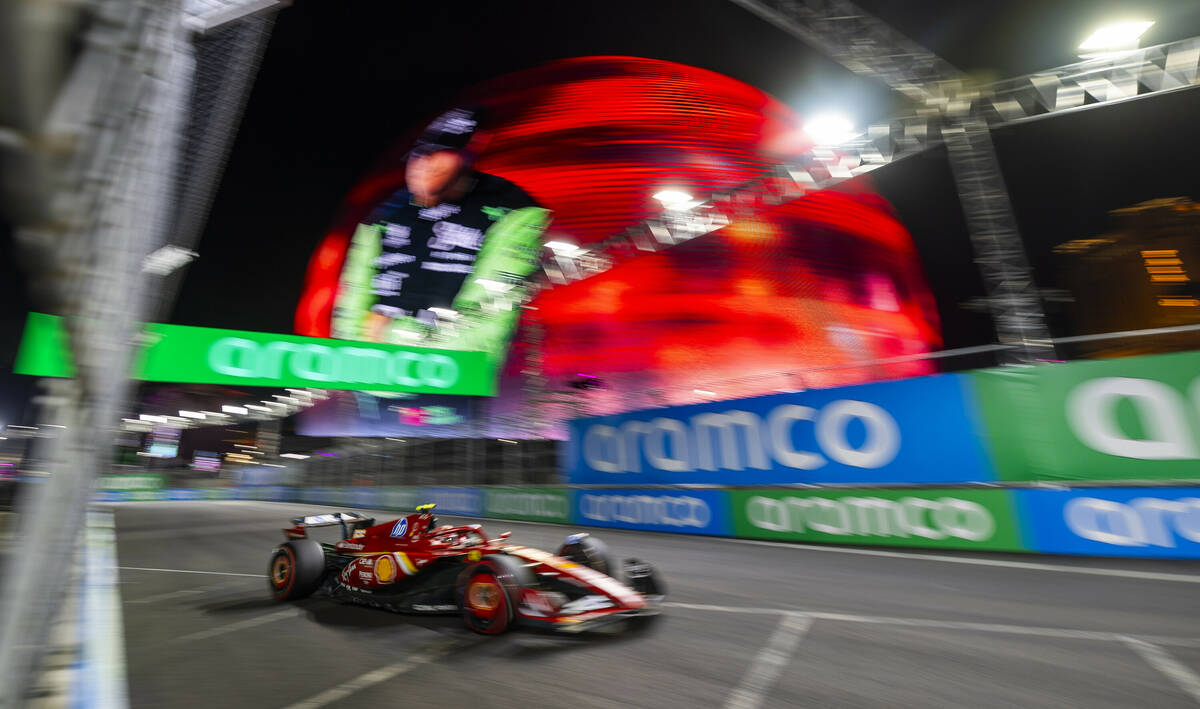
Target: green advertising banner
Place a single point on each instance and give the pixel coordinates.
(940, 518)
(531, 504)
(201, 355)
(134, 481)
(1136, 418)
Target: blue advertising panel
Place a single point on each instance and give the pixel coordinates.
(366, 497)
(1148, 521)
(454, 500)
(912, 430)
(681, 511)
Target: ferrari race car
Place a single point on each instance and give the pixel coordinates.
(412, 565)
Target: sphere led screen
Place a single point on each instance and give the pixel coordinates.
(817, 284)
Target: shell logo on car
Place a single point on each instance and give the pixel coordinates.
(385, 569)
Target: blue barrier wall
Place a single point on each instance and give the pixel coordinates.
(890, 432)
(686, 511)
(1145, 522)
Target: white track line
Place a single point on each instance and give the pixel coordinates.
(1004, 563)
(414, 660)
(769, 663)
(240, 625)
(1160, 660)
(186, 571)
(933, 624)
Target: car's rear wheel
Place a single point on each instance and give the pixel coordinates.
(296, 569)
(486, 605)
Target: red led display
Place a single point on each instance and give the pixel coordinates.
(821, 283)
(593, 139)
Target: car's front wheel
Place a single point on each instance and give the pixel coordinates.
(486, 606)
(489, 590)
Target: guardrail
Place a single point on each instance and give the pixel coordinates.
(1130, 521)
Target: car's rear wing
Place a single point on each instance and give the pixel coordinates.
(348, 520)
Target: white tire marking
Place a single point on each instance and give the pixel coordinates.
(423, 656)
(240, 625)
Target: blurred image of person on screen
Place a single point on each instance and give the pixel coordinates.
(445, 261)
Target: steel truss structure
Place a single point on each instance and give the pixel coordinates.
(102, 169)
(947, 111)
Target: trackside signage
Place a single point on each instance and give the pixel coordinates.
(454, 500)
(532, 504)
(1154, 522)
(681, 511)
(1136, 418)
(948, 518)
(134, 481)
(914, 430)
(199, 355)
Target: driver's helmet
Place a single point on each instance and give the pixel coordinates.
(433, 520)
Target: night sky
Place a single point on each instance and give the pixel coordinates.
(341, 81)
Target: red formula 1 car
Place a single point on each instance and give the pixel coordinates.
(412, 565)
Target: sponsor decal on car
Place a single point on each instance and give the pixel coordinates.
(385, 569)
(535, 603)
(585, 604)
(401, 528)
(600, 581)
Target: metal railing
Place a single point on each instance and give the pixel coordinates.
(477, 461)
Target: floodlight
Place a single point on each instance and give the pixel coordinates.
(671, 198)
(562, 248)
(829, 129)
(1118, 37)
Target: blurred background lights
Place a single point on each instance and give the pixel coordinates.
(562, 248)
(674, 199)
(1117, 37)
(829, 128)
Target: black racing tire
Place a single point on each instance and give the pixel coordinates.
(643, 578)
(296, 569)
(585, 549)
(489, 591)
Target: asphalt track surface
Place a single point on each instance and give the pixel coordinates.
(748, 625)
